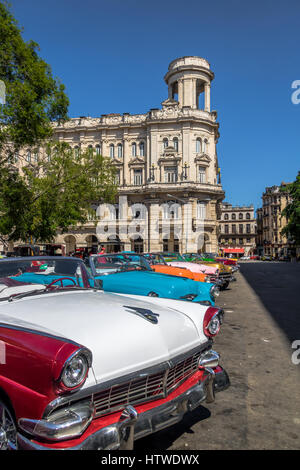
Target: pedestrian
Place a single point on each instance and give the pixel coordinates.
(102, 250)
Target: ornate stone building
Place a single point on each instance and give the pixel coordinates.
(237, 230)
(166, 160)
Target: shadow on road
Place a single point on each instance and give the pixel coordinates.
(164, 439)
(277, 284)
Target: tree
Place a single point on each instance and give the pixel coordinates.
(292, 210)
(33, 97)
(54, 195)
(51, 195)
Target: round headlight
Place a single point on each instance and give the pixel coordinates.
(214, 325)
(75, 371)
(214, 291)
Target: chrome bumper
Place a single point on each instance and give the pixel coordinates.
(132, 426)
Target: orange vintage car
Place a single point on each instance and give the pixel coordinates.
(159, 265)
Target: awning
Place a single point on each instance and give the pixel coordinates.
(233, 250)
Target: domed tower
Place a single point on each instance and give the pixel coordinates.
(187, 79)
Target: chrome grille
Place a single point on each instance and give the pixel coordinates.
(145, 388)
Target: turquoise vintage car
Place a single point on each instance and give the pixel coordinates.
(127, 273)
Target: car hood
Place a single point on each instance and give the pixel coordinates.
(112, 326)
(194, 267)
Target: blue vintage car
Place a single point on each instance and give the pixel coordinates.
(127, 273)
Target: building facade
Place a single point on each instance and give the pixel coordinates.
(167, 169)
(238, 229)
(271, 241)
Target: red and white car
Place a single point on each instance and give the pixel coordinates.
(84, 369)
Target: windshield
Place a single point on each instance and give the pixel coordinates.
(154, 258)
(111, 263)
(168, 257)
(19, 275)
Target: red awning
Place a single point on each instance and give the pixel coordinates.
(234, 250)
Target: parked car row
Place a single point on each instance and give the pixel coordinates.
(95, 354)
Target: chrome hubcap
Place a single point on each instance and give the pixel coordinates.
(8, 432)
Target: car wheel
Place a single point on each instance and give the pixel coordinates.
(224, 286)
(8, 429)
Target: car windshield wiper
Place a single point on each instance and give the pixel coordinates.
(40, 291)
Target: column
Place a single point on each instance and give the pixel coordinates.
(207, 97)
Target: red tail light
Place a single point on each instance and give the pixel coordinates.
(213, 319)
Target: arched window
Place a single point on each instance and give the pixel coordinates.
(233, 216)
(248, 216)
(112, 151)
(198, 145)
(36, 156)
(120, 150)
(226, 217)
(240, 216)
(142, 149)
(28, 156)
(165, 143)
(98, 149)
(205, 142)
(90, 150)
(175, 144)
(133, 149)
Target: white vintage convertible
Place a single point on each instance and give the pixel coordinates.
(84, 369)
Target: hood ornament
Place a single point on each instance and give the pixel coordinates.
(144, 313)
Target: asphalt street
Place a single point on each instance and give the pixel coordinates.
(261, 409)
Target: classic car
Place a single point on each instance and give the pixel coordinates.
(159, 265)
(127, 273)
(225, 272)
(176, 259)
(84, 369)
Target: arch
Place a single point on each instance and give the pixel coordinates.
(91, 240)
(70, 242)
(112, 151)
(120, 150)
(198, 145)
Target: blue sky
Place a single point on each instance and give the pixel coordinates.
(112, 56)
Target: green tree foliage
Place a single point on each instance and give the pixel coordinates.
(54, 195)
(49, 195)
(292, 211)
(33, 97)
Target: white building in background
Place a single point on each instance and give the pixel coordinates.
(165, 158)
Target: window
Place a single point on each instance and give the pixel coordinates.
(133, 149)
(233, 228)
(165, 143)
(90, 150)
(175, 144)
(170, 174)
(98, 149)
(226, 216)
(248, 216)
(240, 216)
(120, 151)
(198, 145)
(112, 151)
(241, 241)
(202, 174)
(28, 156)
(36, 156)
(241, 228)
(205, 145)
(226, 228)
(201, 210)
(142, 149)
(233, 216)
(171, 210)
(137, 176)
(248, 240)
(248, 228)
(117, 177)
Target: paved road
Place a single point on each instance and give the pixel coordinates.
(261, 409)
